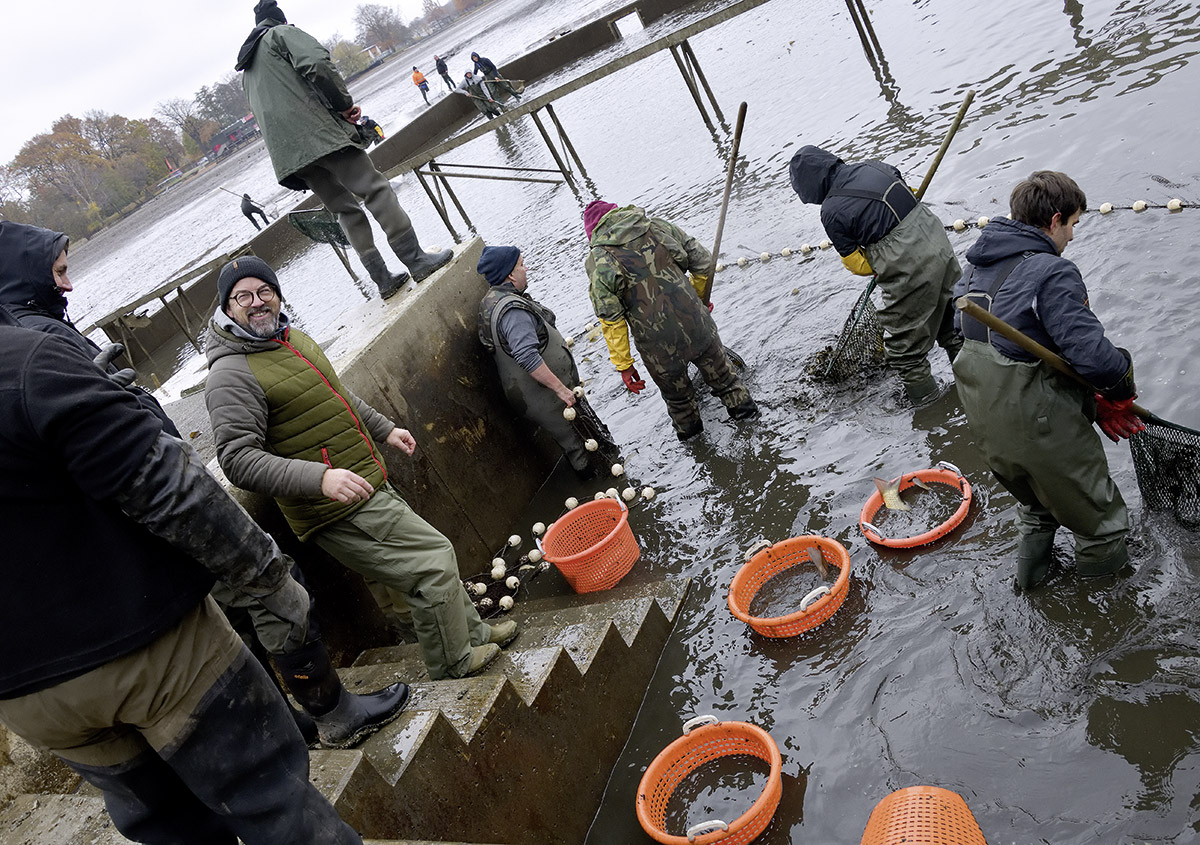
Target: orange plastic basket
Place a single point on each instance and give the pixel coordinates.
(922, 815)
(763, 565)
(698, 746)
(592, 545)
(945, 473)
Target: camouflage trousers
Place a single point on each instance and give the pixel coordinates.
(671, 376)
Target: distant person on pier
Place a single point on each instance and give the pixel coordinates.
(487, 68)
(33, 287)
(250, 208)
(308, 120)
(422, 86)
(116, 659)
(444, 71)
(879, 228)
(537, 371)
(474, 87)
(638, 270)
(285, 426)
(1034, 426)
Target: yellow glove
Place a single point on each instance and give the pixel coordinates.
(856, 262)
(616, 335)
(699, 282)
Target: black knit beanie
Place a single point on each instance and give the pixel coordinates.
(268, 10)
(242, 268)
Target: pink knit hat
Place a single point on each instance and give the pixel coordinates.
(592, 214)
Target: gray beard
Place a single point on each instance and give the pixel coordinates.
(262, 334)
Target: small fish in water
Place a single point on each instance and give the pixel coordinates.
(890, 491)
(814, 554)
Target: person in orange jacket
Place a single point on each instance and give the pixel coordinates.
(419, 81)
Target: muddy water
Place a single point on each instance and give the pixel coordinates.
(1065, 716)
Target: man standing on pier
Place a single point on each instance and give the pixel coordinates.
(474, 87)
(308, 121)
(284, 426)
(1034, 426)
(444, 70)
(638, 269)
(486, 68)
(879, 228)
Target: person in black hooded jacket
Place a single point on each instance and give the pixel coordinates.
(115, 658)
(879, 228)
(33, 287)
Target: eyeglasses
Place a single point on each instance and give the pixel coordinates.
(245, 298)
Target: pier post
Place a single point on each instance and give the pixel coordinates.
(566, 141)
(438, 205)
(691, 84)
(553, 151)
(694, 63)
(445, 183)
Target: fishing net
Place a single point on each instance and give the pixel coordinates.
(589, 426)
(1166, 458)
(319, 225)
(858, 347)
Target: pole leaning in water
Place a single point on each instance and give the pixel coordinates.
(937, 159)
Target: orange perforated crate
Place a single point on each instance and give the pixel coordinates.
(697, 746)
(815, 608)
(922, 815)
(592, 545)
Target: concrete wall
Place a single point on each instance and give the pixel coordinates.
(417, 360)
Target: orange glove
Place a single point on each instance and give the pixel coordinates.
(1117, 419)
(632, 380)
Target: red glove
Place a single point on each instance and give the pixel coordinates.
(710, 308)
(632, 380)
(1117, 419)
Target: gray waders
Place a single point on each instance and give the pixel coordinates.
(916, 269)
(1035, 430)
(534, 401)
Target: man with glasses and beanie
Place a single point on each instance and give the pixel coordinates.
(285, 426)
(309, 123)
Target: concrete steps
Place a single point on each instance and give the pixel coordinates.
(521, 752)
(518, 754)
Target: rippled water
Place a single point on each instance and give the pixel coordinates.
(1064, 716)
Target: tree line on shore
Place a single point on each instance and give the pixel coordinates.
(88, 171)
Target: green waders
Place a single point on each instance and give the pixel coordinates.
(386, 541)
(1035, 430)
(916, 269)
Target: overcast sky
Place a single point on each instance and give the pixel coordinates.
(123, 56)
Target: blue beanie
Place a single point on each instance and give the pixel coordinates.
(497, 262)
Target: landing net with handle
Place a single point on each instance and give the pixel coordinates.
(858, 347)
(320, 225)
(1166, 458)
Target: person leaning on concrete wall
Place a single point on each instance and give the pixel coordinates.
(638, 270)
(537, 370)
(1033, 425)
(34, 285)
(879, 228)
(308, 118)
(474, 87)
(116, 659)
(285, 426)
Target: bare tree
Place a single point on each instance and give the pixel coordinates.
(183, 115)
(379, 25)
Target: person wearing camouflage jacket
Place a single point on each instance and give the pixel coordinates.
(638, 276)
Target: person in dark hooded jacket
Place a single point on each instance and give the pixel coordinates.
(251, 208)
(486, 68)
(1033, 425)
(33, 287)
(879, 228)
(308, 121)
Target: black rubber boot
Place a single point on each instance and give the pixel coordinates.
(923, 392)
(342, 717)
(387, 281)
(420, 264)
(1034, 554)
(690, 431)
(358, 716)
(744, 411)
(1108, 565)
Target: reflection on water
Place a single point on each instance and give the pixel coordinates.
(1065, 716)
